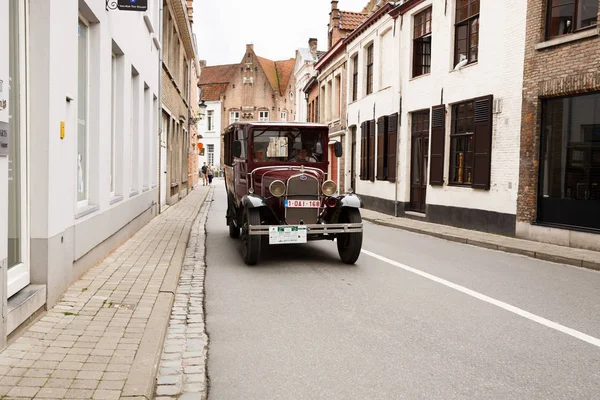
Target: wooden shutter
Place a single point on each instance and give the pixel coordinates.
(438, 141)
(482, 142)
(382, 148)
(392, 139)
(363, 151)
(371, 157)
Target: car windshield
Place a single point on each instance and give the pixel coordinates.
(290, 145)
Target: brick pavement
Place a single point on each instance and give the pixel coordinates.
(86, 347)
(182, 372)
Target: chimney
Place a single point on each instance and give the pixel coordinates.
(190, 10)
(312, 45)
(202, 64)
(249, 47)
(334, 4)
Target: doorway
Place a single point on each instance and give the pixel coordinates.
(419, 157)
(18, 275)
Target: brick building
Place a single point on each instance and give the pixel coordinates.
(256, 89)
(179, 60)
(559, 175)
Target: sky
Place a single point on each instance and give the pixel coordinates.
(276, 27)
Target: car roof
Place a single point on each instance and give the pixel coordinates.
(283, 124)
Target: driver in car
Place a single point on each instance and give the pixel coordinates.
(303, 156)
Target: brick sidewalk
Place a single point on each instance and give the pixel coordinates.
(543, 251)
(104, 337)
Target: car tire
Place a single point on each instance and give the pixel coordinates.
(251, 243)
(350, 244)
(234, 231)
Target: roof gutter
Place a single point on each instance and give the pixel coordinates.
(404, 8)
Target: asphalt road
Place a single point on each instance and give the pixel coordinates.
(416, 318)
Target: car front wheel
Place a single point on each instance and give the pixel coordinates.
(349, 244)
(251, 242)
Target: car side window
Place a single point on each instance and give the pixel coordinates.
(243, 138)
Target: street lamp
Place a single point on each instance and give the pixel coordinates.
(202, 106)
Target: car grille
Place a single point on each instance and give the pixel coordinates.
(299, 189)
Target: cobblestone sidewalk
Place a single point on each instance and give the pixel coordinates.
(94, 343)
(182, 373)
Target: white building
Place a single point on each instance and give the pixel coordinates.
(81, 174)
(459, 105)
(209, 128)
(304, 70)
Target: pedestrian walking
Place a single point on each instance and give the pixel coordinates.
(211, 173)
(204, 173)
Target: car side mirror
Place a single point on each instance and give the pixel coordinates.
(338, 150)
(237, 148)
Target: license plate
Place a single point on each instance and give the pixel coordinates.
(302, 203)
(287, 234)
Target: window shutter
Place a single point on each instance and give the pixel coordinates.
(382, 148)
(371, 156)
(363, 151)
(482, 142)
(392, 139)
(438, 140)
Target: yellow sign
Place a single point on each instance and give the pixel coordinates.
(62, 129)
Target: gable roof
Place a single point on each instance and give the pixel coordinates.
(214, 81)
(350, 20)
(278, 72)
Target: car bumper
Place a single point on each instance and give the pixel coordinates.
(313, 229)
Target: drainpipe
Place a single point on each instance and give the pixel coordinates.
(190, 176)
(159, 122)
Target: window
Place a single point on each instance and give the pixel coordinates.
(211, 154)
(329, 99)
(466, 31)
(386, 59)
(370, 69)
(422, 43)
(470, 143)
(134, 131)
(292, 145)
(234, 116)
(82, 114)
(263, 116)
(338, 97)
(367, 151)
(570, 161)
(284, 116)
(567, 16)
(113, 125)
(355, 78)
(210, 120)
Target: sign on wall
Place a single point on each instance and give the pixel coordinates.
(127, 5)
(4, 139)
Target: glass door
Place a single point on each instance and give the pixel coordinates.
(18, 235)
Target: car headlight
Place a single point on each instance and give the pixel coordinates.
(329, 188)
(277, 188)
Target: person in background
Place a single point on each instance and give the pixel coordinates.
(211, 173)
(204, 171)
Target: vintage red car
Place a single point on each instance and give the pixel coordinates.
(278, 191)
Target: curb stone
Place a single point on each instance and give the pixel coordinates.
(182, 374)
(540, 255)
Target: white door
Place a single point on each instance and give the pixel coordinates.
(18, 202)
(163, 160)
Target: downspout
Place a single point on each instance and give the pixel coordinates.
(159, 122)
(190, 175)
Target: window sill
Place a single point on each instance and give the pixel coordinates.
(384, 89)
(115, 199)
(414, 78)
(145, 189)
(461, 185)
(86, 210)
(134, 193)
(465, 66)
(569, 38)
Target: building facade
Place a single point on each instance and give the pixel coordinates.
(559, 188)
(178, 58)
(79, 173)
(256, 89)
(459, 113)
(304, 70)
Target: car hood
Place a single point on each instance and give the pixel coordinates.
(263, 177)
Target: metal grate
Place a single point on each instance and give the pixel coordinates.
(302, 187)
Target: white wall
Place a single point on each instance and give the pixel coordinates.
(384, 100)
(304, 70)
(211, 137)
(54, 60)
(499, 72)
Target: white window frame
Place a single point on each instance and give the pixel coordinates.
(284, 116)
(210, 123)
(210, 154)
(263, 116)
(86, 179)
(234, 116)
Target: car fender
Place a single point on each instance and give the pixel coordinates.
(253, 201)
(350, 200)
